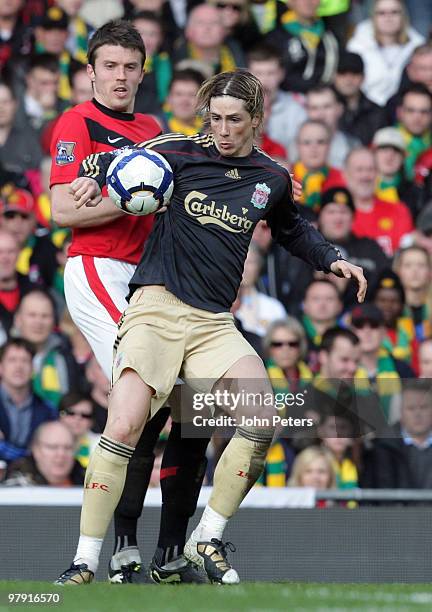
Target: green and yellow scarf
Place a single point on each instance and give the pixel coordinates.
(310, 35)
(312, 183)
(226, 62)
(161, 65)
(415, 146)
(46, 383)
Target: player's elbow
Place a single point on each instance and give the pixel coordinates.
(59, 216)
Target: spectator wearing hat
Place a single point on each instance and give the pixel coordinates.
(389, 296)
(19, 146)
(312, 168)
(387, 223)
(38, 255)
(392, 185)
(13, 285)
(335, 223)
(378, 368)
(51, 35)
(361, 117)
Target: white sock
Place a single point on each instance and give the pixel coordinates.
(125, 556)
(88, 551)
(211, 525)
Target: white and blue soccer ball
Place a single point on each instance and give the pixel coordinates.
(140, 181)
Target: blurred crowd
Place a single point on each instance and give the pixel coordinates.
(348, 109)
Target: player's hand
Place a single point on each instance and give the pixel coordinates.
(344, 269)
(297, 189)
(85, 191)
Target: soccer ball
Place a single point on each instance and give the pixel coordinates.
(140, 181)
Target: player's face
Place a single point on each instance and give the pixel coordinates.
(232, 126)
(116, 76)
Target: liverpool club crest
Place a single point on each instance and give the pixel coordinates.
(261, 195)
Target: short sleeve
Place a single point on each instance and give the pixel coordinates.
(70, 144)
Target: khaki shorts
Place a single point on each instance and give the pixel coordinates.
(161, 338)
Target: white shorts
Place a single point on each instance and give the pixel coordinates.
(96, 290)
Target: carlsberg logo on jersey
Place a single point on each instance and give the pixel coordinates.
(210, 213)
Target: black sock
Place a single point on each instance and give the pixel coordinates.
(138, 476)
(182, 472)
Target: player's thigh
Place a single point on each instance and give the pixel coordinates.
(150, 341)
(96, 290)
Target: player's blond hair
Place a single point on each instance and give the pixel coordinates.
(239, 84)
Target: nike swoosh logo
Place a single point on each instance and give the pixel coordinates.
(113, 140)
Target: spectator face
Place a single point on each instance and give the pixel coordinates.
(8, 256)
(16, 368)
(232, 126)
(231, 12)
(322, 302)
(151, 34)
(388, 160)
(204, 28)
(7, 107)
(81, 88)
(348, 83)
(54, 453)
(10, 8)
(416, 413)
(389, 302)
(335, 221)
(342, 361)
(284, 347)
(251, 269)
(42, 85)
(19, 223)
(360, 172)
(182, 100)
(269, 72)
(370, 334)
(323, 106)
(116, 76)
(78, 418)
(313, 146)
(414, 270)
(420, 69)
(425, 359)
(70, 7)
(52, 40)
(336, 434)
(415, 113)
(306, 9)
(316, 474)
(387, 17)
(35, 318)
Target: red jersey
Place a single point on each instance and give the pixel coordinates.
(91, 128)
(385, 222)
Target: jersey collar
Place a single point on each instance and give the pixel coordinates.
(113, 113)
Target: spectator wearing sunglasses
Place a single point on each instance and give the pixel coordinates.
(76, 412)
(38, 255)
(378, 368)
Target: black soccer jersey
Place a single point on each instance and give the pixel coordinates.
(197, 248)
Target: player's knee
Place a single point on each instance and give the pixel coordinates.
(124, 431)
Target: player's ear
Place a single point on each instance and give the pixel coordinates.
(91, 73)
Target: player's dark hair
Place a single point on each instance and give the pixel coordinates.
(46, 61)
(264, 53)
(239, 84)
(188, 75)
(331, 335)
(119, 33)
(17, 343)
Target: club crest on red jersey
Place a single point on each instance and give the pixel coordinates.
(261, 195)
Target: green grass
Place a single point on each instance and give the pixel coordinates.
(292, 597)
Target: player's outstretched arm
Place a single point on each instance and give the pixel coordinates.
(66, 214)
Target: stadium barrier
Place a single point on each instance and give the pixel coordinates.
(279, 533)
